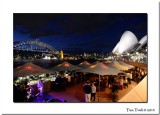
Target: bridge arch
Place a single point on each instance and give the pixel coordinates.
(34, 45)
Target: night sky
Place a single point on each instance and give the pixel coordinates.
(85, 32)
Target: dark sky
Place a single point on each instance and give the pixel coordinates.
(78, 32)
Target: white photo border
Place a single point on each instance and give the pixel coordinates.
(8, 7)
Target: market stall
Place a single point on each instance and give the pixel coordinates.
(29, 74)
(100, 69)
(84, 64)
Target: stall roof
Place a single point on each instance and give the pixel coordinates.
(137, 94)
(29, 69)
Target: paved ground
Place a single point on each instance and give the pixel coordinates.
(75, 93)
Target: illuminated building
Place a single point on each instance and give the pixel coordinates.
(61, 54)
(142, 42)
(128, 43)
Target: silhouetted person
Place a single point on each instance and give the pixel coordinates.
(87, 91)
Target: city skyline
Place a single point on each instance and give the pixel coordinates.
(87, 32)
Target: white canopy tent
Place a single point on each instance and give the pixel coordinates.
(65, 66)
(137, 94)
(100, 69)
(30, 69)
(117, 66)
(125, 64)
(84, 64)
(95, 62)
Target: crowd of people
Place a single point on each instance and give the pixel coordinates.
(26, 93)
(90, 91)
(115, 83)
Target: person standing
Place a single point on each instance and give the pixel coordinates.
(93, 92)
(87, 91)
(30, 92)
(40, 87)
(121, 82)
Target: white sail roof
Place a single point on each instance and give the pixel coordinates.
(126, 43)
(143, 41)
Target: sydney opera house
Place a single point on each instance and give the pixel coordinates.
(129, 43)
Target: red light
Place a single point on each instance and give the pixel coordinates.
(28, 67)
(67, 65)
(104, 67)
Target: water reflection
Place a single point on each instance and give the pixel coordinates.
(48, 63)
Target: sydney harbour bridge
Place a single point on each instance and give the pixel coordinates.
(34, 46)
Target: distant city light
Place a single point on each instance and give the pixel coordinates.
(47, 58)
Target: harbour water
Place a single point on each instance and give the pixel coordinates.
(48, 63)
